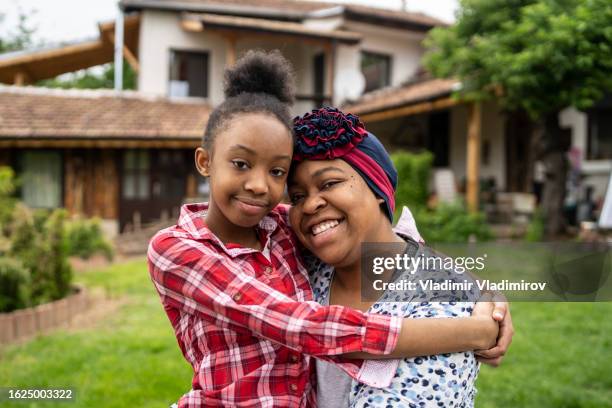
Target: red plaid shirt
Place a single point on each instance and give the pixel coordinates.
(245, 319)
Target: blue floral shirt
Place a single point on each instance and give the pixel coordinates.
(446, 380)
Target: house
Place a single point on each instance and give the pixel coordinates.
(124, 158)
(365, 59)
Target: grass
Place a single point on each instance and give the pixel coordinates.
(560, 356)
(129, 358)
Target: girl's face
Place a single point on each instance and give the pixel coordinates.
(248, 167)
(333, 210)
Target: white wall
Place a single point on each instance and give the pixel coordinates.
(161, 32)
(403, 46)
(596, 172)
(492, 130)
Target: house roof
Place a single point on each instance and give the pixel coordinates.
(291, 10)
(248, 24)
(97, 116)
(405, 95)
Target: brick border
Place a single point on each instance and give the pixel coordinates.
(25, 323)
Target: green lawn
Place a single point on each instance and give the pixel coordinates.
(560, 356)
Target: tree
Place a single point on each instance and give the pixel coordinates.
(90, 80)
(539, 56)
(23, 38)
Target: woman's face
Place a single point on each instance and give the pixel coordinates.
(333, 210)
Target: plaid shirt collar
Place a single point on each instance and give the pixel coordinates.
(192, 221)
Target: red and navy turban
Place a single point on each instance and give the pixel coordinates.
(328, 134)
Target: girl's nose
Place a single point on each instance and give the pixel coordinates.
(256, 184)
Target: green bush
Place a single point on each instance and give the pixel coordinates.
(14, 279)
(535, 230)
(413, 172)
(85, 238)
(39, 241)
(451, 223)
(7, 189)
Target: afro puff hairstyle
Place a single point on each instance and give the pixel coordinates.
(259, 82)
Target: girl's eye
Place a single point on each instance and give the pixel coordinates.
(240, 164)
(278, 172)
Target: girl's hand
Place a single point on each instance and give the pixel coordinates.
(501, 313)
(483, 313)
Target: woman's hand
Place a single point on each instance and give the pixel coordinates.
(489, 327)
(501, 313)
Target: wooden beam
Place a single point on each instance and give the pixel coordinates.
(416, 109)
(57, 52)
(230, 50)
(330, 69)
(473, 156)
(131, 59)
(21, 78)
(127, 53)
(100, 143)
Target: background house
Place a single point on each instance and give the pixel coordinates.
(366, 59)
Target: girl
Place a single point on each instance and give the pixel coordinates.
(342, 189)
(230, 277)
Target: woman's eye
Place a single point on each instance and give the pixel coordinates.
(278, 172)
(296, 198)
(240, 164)
(329, 184)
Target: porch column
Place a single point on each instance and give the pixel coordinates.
(330, 56)
(473, 156)
(230, 51)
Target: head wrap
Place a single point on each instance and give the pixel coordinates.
(328, 134)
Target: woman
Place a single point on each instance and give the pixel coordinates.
(342, 188)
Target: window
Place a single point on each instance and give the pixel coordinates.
(136, 179)
(188, 74)
(376, 68)
(600, 134)
(41, 179)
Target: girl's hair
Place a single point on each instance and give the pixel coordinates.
(259, 82)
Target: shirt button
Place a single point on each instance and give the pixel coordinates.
(294, 358)
(237, 297)
(293, 387)
(268, 270)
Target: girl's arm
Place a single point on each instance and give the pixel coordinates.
(190, 279)
(428, 336)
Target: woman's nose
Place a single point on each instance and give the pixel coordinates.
(314, 203)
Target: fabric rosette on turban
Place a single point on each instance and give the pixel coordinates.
(328, 134)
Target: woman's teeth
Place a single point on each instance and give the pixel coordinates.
(324, 226)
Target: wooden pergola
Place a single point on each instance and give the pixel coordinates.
(28, 67)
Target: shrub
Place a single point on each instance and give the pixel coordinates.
(85, 238)
(38, 240)
(535, 230)
(413, 178)
(7, 189)
(451, 223)
(13, 285)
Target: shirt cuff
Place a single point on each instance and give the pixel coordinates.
(381, 333)
(378, 373)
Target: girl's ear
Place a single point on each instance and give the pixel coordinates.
(202, 161)
(380, 200)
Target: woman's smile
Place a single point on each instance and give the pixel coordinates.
(325, 232)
